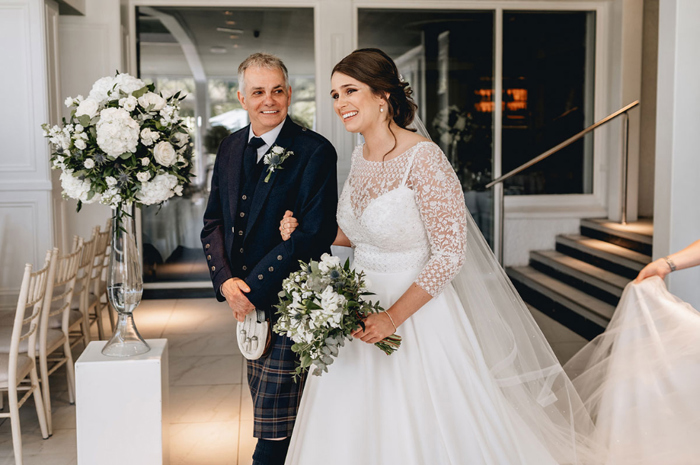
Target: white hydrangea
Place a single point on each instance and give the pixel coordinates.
(101, 88)
(127, 84)
(157, 190)
(117, 132)
(169, 115)
(77, 189)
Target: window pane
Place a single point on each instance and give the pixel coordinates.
(548, 75)
(220, 39)
(447, 58)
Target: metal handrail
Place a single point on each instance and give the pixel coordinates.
(501, 194)
(566, 143)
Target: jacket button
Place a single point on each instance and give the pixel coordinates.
(213, 268)
(271, 269)
(244, 197)
(208, 257)
(233, 229)
(240, 233)
(244, 267)
(260, 277)
(242, 214)
(279, 257)
(241, 250)
(207, 246)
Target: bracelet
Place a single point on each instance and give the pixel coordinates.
(391, 319)
(670, 264)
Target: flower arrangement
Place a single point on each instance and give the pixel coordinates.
(320, 306)
(124, 144)
(274, 160)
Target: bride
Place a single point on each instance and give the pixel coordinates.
(474, 381)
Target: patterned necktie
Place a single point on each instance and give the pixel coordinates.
(250, 156)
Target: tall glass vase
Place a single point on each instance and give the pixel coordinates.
(124, 286)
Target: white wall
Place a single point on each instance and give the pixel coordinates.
(25, 185)
(89, 48)
(676, 212)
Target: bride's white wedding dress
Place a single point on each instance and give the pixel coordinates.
(466, 387)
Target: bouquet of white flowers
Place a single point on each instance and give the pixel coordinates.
(124, 144)
(320, 306)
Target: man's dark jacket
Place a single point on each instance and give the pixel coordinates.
(306, 185)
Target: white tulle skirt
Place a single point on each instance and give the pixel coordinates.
(432, 402)
(640, 380)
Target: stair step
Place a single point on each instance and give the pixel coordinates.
(605, 255)
(637, 236)
(573, 308)
(600, 283)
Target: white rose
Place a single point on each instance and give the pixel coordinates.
(181, 139)
(151, 101)
(164, 153)
(148, 137)
(87, 107)
(277, 150)
(143, 176)
(129, 103)
(145, 161)
(89, 163)
(79, 128)
(80, 144)
(111, 181)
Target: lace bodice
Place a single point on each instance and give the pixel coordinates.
(404, 213)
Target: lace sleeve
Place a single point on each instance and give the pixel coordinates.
(441, 203)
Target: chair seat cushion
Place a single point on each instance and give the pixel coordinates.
(74, 316)
(24, 365)
(53, 338)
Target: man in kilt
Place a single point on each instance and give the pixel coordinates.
(245, 253)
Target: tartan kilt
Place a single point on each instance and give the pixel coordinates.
(276, 396)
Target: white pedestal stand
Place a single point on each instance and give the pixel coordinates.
(122, 406)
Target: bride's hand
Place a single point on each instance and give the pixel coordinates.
(658, 268)
(288, 225)
(377, 327)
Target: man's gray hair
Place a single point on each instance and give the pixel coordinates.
(261, 60)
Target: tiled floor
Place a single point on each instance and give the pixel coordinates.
(211, 420)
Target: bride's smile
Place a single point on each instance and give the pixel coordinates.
(355, 103)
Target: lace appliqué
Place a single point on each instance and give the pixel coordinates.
(405, 213)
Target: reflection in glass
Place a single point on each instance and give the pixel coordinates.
(199, 50)
(548, 75)
(447, 58)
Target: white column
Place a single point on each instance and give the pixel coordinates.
(677, 181)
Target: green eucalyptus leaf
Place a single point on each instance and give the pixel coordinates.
(140, 92)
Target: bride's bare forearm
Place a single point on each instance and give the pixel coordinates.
(688, 257)
(409, 303)
(341, 239)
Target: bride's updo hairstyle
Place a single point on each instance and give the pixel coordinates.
(377, 70)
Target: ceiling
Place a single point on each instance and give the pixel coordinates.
(285, 32)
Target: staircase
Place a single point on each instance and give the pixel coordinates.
(580, 283)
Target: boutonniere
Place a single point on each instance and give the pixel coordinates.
(275, 158)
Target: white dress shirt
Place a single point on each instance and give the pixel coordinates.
(269, 138)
